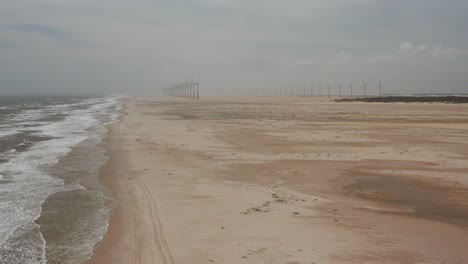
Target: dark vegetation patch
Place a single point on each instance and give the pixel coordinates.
(408, 99)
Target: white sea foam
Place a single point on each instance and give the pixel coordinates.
(9, 132)
(21, 198)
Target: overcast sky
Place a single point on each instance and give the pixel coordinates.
(142, 46)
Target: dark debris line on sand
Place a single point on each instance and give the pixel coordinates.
(409, 99)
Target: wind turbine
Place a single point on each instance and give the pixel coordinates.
(364, 84)
(196, 93)
(191, 89)
(380, 88)
(192, 84)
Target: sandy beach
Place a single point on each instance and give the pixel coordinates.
(286, 180)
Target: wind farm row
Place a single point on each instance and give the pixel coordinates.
(187, 90)
(319, 90)
(190, 89)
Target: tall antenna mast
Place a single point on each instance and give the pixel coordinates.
(328, 89)
(320, 89)
(351, 86)
(339, 89)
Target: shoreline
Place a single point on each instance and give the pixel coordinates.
(195, 178)
(110, 176)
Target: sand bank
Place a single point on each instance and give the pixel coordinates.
(287, 180)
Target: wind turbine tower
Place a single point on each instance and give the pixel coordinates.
(193, 89)
(364, 84)
(380, 88)
(198, 91)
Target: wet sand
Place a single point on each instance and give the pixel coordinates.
(287, 180)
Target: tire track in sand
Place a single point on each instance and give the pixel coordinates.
(159, 239)
(134, 208)
(136, 225)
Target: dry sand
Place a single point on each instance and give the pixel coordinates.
(287, 180)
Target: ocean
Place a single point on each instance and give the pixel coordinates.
(53, 208)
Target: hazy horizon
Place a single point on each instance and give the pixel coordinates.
(141, 47)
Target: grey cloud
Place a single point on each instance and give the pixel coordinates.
(141, 46)
(5, 44)
(50, 32)
(409, 52)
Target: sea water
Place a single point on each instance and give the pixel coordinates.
(49, 149)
